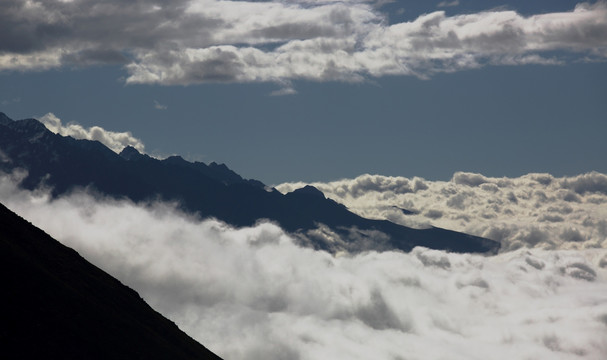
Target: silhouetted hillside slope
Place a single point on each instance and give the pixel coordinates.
(211, 190)
(56, 305)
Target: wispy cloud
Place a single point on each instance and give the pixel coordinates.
(188, 42)
(284, 91)
(159, 106)
(251, 293)
(113, 140)
(4, 158)
(448, 3)
(5, 102)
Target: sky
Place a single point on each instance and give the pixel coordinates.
(314, 90)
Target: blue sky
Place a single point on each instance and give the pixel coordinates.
(366, 88)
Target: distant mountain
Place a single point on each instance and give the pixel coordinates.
(57, 305)
(211, 190)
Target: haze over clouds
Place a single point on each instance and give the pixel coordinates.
(534, 210)
(116, 141)
(252, 294)
(195, 41)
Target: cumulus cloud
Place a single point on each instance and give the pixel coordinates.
(251, 293)
(195, 41)
(535, 210)
(116, 141)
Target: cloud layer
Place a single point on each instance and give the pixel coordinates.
(195, 41)
(116, 141)
(535, 210)
(252, 294)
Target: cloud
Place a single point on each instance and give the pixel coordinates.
(116, 141)
(593, 182)
(159, 106)
(534, 210)
(4, 158)
(251, 293)
(448, 3)
(6, 102)
(188, 42)
(289, 90)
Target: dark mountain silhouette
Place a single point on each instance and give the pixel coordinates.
(57, 305)
(64, 163)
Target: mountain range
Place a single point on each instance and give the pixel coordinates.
(63, 164)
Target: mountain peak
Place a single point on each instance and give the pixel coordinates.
(176, 159)
(130, 153)
(5, 120)
(210, 191)
(309, 190)
(30, 126)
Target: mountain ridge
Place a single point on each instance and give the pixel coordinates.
(57, 305)
(214, 190)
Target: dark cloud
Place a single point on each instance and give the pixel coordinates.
(173, 42)
(433, 214)
(551, 218)
(572, 234)
(579, 270)
(290, 31)
(95, 56)
(221, 66)
(591, 182)
(458, 201)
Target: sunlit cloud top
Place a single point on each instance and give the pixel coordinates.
(188, 42)
(116, 141)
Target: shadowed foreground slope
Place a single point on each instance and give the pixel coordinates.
(57, 305)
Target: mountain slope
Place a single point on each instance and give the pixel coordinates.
(210, 190)
(57, 305)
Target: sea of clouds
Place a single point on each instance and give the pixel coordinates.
(531, 211)
(252, 293)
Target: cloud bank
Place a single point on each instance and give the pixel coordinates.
(535, 210)
(116, 141)
(196, 41)
(252, 294)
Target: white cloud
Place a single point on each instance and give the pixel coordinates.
(116, 141)
(535, 210)
(219, 284)
(187, 42)
(252, 294)
(42, 60)
(289, 90)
